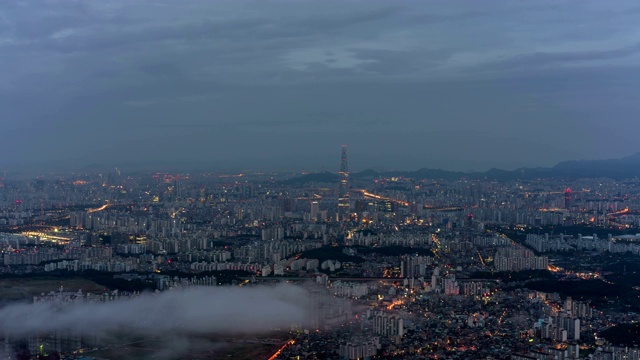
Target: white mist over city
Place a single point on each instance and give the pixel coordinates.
(228, 310)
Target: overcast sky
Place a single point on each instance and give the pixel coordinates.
(461, 85)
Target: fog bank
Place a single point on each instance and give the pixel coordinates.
(226, 310)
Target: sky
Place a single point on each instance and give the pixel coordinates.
(281, 84)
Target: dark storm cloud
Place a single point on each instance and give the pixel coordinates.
(400, 80)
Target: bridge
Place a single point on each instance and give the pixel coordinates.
(369, 195)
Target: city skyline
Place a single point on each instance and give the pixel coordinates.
(319, 179)
(573, 167)
(382, 265)
(459, 86)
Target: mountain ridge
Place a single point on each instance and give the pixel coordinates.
(626, 167)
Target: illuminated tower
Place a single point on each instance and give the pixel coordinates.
(343, 193)
(567, 198)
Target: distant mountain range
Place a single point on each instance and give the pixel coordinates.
(627, 167)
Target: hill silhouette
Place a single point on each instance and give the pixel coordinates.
(627, 167)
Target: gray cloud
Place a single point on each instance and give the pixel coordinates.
(538, 60)
(206, 76)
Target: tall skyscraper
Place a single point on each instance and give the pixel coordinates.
(343, 192)
(567, 198)
(315, 210)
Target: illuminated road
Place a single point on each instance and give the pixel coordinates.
(300, 278)
(107, 206)
(481, 259)
(103, 207)
(434, 238)
(395, 303)
(369, 195)
(277, 353)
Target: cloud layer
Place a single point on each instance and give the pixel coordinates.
(202, 310)
(189, 80)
